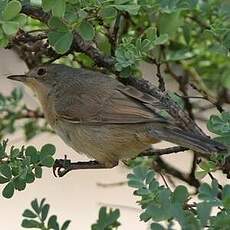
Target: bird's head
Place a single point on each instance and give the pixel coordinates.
(42, 76)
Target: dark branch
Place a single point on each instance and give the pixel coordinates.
(163, 166)
(79, 45)
(159, 152)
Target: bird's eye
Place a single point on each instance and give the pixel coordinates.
(41, 71)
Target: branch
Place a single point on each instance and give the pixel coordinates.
(163, 166)
(159, 152)
(114, 34)
(36, 13)
(158, 74)
(79, 45)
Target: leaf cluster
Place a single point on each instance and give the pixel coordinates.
(12, 109)
(22, 166)
(10, 20)
(159, 203)
(38, 217)
(220, 125)
(107, 220)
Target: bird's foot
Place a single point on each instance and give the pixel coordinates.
(63, 166)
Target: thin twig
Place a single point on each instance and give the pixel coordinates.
(109, 185)
(176, 173)
(158, 74)
(114, 34)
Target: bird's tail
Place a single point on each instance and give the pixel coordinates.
(197, 142)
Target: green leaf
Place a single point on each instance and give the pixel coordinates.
(203, 211)
(187, 34)
(21, 19)
(226, 196)
(57, 24)
(61, 41)
(107, 220)
(180, 194)
(30, 224)
(5, 170)
(19, 184)
(155, 226)
(108, 12)
(220, 124)
(38, 172)
(131, 9)
(169, 23)
(10, 27)
(44, 213)
(52, 222)
(145, 216)
(58, 9)
(48, 161)
(200, 174)
(47, 150)
(207, 192)
(11, 10)
(140, 172)
(158, 213)
(32, 153)
(14, 153)
(8, 190)
(30, 177)
(177, 55)
(226, 202)
(48, 4)
(135, 183)
(150, 176)
(86, 31)
(4, 40)
(3, 180)
(29, 214)
(42, 203)
(162, 39)
(35, 206)
(2, 151)
(151, 33)
(17, 94)
(65, 225)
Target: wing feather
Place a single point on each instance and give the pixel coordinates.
(113, 104)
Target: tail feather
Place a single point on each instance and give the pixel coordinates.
(196, 142)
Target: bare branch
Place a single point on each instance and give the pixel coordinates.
(159, 152)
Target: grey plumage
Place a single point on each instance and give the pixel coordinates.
(106, 120)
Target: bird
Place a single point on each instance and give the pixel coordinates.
(97, 115)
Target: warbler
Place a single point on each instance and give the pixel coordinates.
(104, 119)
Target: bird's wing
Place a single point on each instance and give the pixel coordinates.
(119, 105)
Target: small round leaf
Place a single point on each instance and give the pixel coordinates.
(48, 161)
(38, 172)
(8, 191)
(29, 214)
(48, 149)
(86, 30)
(5, 170)
(11, 10)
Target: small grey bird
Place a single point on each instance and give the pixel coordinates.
(104, 119)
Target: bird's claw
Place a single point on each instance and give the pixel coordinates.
(61, 167)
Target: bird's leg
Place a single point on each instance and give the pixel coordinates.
(63, 166)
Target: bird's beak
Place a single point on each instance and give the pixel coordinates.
(21, 78)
